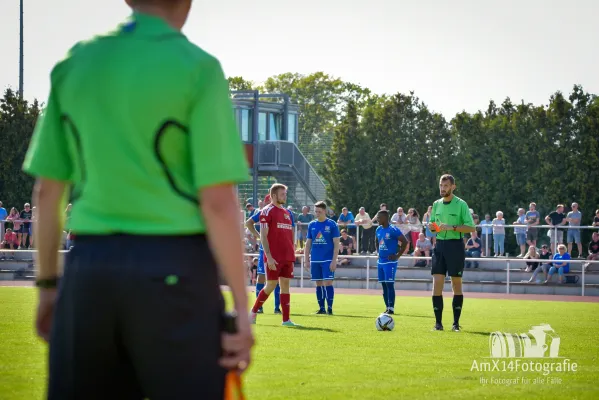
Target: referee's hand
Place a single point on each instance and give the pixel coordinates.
(237, 347)
(45, 313)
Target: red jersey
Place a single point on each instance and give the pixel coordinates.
(280, 232)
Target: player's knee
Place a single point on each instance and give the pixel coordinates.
(438, 283)
(456, 285)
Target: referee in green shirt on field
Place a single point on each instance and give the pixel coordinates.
(453, 217)
(139, 126)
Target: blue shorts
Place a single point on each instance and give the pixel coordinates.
(321, 271)
(261, 270)
(387, 270)
(521, 239)
(573, 236)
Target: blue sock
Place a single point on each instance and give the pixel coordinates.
(330, 291)
(259, 287)
(277, 297)
(320, 297)
(391, 294)
(384, 284)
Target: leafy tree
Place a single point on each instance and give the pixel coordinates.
(17, 121)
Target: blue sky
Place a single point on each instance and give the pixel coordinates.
(455, 55)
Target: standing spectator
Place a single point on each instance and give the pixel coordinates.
(382, 207)
(560, 264)
(596, 219)
(422, 247)
(415, 226)
(400, 220)
(304, 219)
(473, 249)
(520, 232)
(346, 220)
(33, 221)
(487, 238)
(425, 220)
(25, 217)
(532, 219)
(15, 219)
(498, 234)
(366, 231)
(593, 252)
(249, 210)
(332, 214)
(3, 215)
(573, 235)
(556, 218)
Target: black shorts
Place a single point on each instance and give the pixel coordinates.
(137, 317)
(448, 257)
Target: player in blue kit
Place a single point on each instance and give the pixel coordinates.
(391, 244)
(322, 249)
(253, 224)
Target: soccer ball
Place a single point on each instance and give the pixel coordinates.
(384, 322)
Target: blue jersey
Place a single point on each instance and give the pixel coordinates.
(322, 235)
(256, 219)
(388, 241)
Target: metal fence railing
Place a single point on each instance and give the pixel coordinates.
(506, 260)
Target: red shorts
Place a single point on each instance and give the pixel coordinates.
(284, 270)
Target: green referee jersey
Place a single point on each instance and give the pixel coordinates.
(456, 212)
(137, 121)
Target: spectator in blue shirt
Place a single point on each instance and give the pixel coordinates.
(561, 267)
(346, 220)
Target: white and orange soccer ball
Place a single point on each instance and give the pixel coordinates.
(384, 322)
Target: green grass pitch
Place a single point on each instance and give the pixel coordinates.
(345, 357)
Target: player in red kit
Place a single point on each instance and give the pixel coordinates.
(276, 235)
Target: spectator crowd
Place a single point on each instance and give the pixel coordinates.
(488, 240)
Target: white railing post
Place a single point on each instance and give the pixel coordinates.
(367, 273)
(582, 279)
(357, 238)
(554, 250)
(487, 251)
(302, 263)
(507, 287)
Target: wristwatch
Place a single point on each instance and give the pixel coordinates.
(455, 227)
(49, 283)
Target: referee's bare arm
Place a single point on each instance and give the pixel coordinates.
(220, 210)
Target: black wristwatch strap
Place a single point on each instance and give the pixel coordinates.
(49, 283)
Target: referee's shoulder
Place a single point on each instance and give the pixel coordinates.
(461, 201)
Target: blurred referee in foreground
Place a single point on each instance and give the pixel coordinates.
(139, 124)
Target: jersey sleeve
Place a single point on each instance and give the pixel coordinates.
(48, 155)
(335, 230)
(217, 153)
(466, 216)
(309, 234)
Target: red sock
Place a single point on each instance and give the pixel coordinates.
(285, 300)
(262, 296)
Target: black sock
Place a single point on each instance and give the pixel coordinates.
(438, 308)
(458, 300)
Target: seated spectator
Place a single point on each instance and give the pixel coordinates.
(346, 248)
(529, 257)
(423, 249)
(593, 253)
(544, 266)
(560, 264)
(253, 271)
(473, 249)
(11, 241)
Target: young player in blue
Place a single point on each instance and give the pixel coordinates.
(391, 244)
(321, 251)
(253, 224)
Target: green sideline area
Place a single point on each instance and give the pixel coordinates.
(345, 357)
